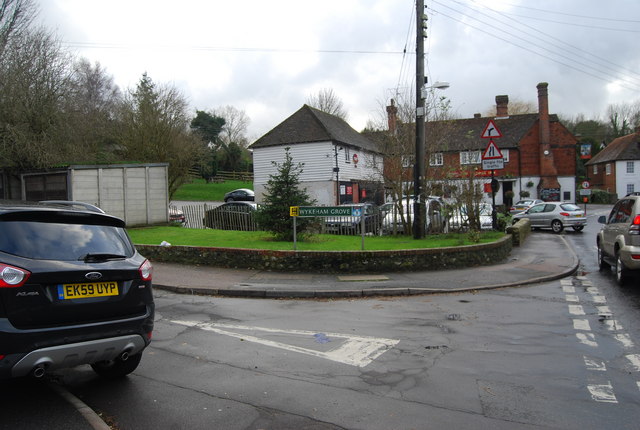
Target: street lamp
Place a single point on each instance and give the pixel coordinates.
(337, 170)
(419, 171)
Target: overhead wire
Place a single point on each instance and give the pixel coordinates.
(567, 62)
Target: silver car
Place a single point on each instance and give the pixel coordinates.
(554, 215)
(619, 239)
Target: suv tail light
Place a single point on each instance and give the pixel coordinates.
(565, 214)
(634, 228)
(146, 270)
(12, 277)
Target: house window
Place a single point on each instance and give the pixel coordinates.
(347, 155)
(436, 159)
(470, 157)
(629, 166)
(505, 155)
(607, 168)
(630, 188)
(595, 169)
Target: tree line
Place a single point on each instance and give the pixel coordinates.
(57, 109)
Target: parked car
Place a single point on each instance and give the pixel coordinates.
(240, 195)
(618, 241)
(459, 219)
(232, 216)
(398, 214)
(554, 215)
(523, 205)
(353, 224)
(73, 290)
(176, 215)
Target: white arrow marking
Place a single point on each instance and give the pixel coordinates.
(354, 350)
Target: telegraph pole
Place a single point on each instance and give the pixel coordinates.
(419, 165)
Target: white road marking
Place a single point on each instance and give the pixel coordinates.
(580, 324)
(566, 282)
(571, 298)
(588, 339)
(593, 290)
(634, 359)
(624, 339)
(602, 393)
(576, 310)
(604, 310)
(599, 299)
(596, 365)
(353, 350)
(569, 289)
(612, 325)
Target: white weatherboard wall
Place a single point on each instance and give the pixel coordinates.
(319, 161)
(136, 193)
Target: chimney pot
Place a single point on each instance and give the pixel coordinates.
(502, 106)
(477, 115)
(392, 118)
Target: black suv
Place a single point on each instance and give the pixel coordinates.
(73, 290)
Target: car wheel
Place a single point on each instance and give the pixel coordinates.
(557, 226)
(621, 271)
(117, 368)
(578, 227)
(602, 265)
(228, 199)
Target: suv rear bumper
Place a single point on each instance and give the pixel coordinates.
(625, 255)
(74, 354)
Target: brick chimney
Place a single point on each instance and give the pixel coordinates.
(392, 117)
(502, 106)
(548, 171)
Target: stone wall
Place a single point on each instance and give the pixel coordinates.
(336, 261)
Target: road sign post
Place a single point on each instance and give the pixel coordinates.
(492, 159)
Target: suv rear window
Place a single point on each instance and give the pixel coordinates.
(59, 241)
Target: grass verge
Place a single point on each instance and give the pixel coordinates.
(321, 242)
(199, 189)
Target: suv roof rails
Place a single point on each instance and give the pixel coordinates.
(83, 205)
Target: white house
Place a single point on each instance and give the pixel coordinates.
(340, 164)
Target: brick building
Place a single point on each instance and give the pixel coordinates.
(539, 152)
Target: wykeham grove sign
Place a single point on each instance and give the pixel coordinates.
(312, 211)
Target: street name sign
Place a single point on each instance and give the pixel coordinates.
(320, 211)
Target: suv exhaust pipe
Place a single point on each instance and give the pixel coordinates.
(124, 356)
(38, 372)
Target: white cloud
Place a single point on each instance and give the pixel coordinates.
(268, 57)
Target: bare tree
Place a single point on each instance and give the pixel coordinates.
(154, 127)
(235, 126)
(34, 80)
(16, 16)
(327, 101)
(623, 117)
(90, 110)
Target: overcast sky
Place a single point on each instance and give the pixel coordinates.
(267, 57)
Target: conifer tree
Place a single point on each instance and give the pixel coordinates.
(281, 192)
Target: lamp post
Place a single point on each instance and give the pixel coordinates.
(337, 170)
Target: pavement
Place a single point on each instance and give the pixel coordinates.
(543, 257)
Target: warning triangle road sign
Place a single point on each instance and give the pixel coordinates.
(492, 152)
(490, 131)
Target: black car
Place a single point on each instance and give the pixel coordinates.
(240, 195)
(232, 216)
(73, 290)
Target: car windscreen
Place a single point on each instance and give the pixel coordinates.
(62, 241)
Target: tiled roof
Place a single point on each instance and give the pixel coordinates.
(464, 134)
(312, 125)
(623, 148)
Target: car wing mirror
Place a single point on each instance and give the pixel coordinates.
(602, 219)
